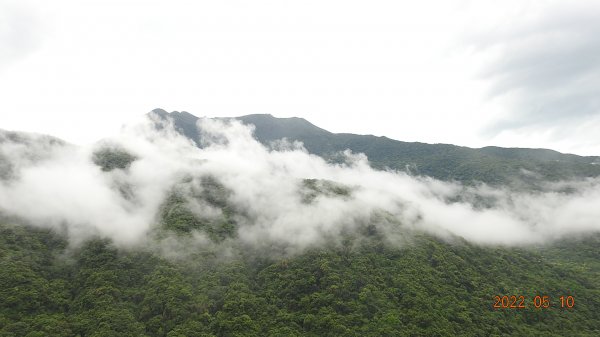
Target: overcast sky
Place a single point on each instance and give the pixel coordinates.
(475, 73)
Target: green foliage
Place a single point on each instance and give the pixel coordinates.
(111, 158)
(312, 188)
(425, 288)
(178, 217)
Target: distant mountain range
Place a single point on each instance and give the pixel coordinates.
(491, 164)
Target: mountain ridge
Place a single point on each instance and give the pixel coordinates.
(491, 164)
(176, 114)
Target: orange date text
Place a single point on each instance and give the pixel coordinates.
(538, 302)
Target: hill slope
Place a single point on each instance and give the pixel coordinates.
(492, 165)
(427, 288)
(190, 277)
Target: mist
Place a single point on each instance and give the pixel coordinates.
(281, 195)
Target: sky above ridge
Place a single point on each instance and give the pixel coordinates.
(473, 73)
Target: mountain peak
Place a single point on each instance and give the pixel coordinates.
(291, 127)
(267, 126)
(160, 112)
(164, 113)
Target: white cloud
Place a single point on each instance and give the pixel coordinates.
(400, 69)
(541, 68)
(66, 189)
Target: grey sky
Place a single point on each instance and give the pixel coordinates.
(550, 66)
(18, 35)
(475, 73)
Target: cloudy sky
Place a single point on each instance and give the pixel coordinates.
(474, 73)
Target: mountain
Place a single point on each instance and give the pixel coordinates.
(191, 277)
(36, 147)
(491, 165)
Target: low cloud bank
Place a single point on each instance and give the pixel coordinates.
(52, 184)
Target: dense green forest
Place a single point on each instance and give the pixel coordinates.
(424, 287)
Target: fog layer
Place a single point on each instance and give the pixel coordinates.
(48, 183)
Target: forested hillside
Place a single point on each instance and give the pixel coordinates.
(191, 274)
(425, 288)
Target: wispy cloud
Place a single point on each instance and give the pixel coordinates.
(543, 66)
(267, 191)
